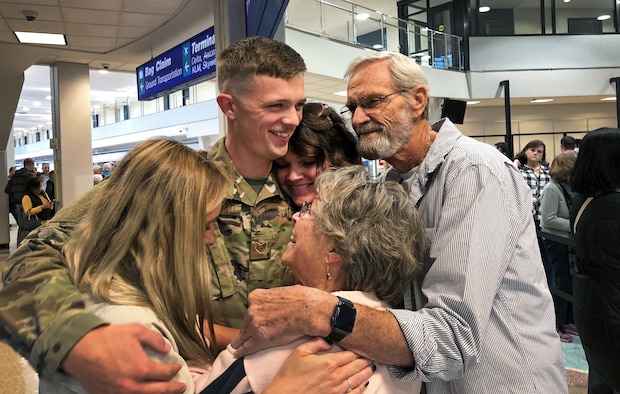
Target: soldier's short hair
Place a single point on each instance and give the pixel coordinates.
(256, 56)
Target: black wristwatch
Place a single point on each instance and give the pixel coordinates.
(343, 320)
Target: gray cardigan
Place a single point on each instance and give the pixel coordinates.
(554, 210)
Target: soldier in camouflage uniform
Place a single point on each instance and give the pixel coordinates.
(253, 231)
(262, 95)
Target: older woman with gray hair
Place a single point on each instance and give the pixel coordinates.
(354, 240)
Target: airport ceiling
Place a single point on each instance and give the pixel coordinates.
(122, 34)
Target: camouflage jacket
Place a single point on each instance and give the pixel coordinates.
(251, 235)
(42, 314)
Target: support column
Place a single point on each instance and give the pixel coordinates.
(229, 17)
(616, 81)
(4, 202)
(509, 141)
(72, 142)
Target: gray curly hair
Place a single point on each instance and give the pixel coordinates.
(376, 230)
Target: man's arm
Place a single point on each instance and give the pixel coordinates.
(281, 315)
(39, 305)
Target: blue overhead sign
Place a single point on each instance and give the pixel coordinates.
(184, 65)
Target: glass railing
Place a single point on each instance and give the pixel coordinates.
(352, 24)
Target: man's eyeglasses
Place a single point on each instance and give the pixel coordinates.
(305, 209)
(367, 103)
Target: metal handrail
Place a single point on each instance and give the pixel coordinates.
(430, 47)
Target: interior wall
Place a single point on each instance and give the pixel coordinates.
(547, 122)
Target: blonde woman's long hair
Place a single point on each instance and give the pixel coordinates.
(142, 240)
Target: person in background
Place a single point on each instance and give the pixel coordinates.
(360, 239)
(12, 202)
(97, 178)
(567, 144)
(502, 147)
(555, 203)
(322, 140)
(536, 175)
(261, 88)
(577, 143)
(45, 169)
(17, 186)
(107, 169)
(36, 204)
(97, 169)
(480, 317)
(595, 220)
(51, 185)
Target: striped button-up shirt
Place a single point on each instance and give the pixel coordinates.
(485, 321)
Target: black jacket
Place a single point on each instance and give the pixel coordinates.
(596, 285)
(18, 185)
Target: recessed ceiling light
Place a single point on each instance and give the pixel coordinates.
(567, 1)
(362, 17)
(612, 98)
(541, 100)
(40, 38)
(48, 97)
(25, 109)
(603, 17)
(473, 102)
(377, 46)
(103, 71)
(36, 103)
(341, 93)
(484, 9)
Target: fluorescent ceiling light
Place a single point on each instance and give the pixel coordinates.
(603, 17)
(40, 38)
(484, 9)
(541, 100)
(567, 1)
(609, 99)
(473, 102)
(362, 17)
(342, 93)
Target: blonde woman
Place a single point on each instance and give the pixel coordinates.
(140, 256)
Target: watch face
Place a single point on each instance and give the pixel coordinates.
(346, 317)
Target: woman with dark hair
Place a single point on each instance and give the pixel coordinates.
(536, 174)
(37, 206)
(595, 220)
(322, 140)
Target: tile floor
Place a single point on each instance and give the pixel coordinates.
(17, 377)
